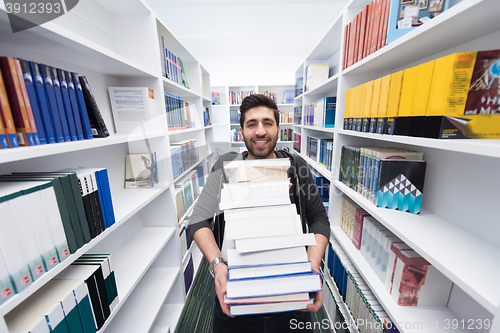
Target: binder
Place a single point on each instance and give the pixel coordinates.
(42, 102)
(52, 104)
(71, 313)
(60, 104)
(67, 104)
(6, 287)
(74, 105)
(82, 108)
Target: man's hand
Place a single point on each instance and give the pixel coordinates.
(220, 275)
(318, 301)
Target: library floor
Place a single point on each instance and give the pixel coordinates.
(196, 317)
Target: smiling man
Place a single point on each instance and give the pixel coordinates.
(260, 129)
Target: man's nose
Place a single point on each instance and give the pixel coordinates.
(260, 130)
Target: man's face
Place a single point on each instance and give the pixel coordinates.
(260, 132)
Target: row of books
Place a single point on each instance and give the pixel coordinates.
(215, 98)
(269, 270)
(389, 177)
(271, 95)
(180, 113)
(184, 154)
(141, 170)
(171, 66)
(236, 135)
(40, 104)
(322, 183)
(286, 134)
(206, 117)
(367, 312)
(383, 21)
(453, 97)
(321, 113)
(407, 276)
(297, 115)
(234, 116)
(286, 117)
(320, 150)
(235, 97)
(296, 141)
(288, 96)
(187, 190)
(316, 75)
(299, 86)
(80, 299)
(48, 216)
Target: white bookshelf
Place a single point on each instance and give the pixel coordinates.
(458, 229)
(115, 43)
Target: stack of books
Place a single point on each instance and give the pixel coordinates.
(264, 244)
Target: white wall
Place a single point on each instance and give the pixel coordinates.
(241, 44)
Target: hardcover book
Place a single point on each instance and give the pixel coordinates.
(138, 170)
(97, 124)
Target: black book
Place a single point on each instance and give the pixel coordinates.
(99, 129)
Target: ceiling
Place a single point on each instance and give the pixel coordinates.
(243, 42)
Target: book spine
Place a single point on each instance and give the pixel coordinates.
(6, 116)
(97, 124)
(74, 106)
(52, 104)
(82, 108)
(67, 104)
(29, 110)
(60, 104)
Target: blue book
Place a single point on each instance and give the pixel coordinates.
(107, 195)
(330, 109)
(60, 105)
(52, 104)
(67, 104)
(82, 107)
(74, 106)
(42, 103)
(30, 89)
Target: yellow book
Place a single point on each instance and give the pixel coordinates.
(464, 101)
(347, 108)
(382, 104)
(421, 97)
(393, 104)
(358, 107)
(374, 106)
(367, 105)
(406, 101)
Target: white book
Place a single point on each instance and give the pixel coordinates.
(6, 287)
(268, 299)
(247, 245)
(273, 286)
(263, 227)
(244, 195)
(256, 170)
(316, 75)
(12, 250)
(24, 227)
(247, 309)
(269, 270)
(272, 257)
(258, 212)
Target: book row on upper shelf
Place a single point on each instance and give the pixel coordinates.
(388, 177)
(171, 65)
(320, 113)
(46, 216)
(407, 277)
(320, 150)
(80, 299)
(41, 105)
(383, 21)
(184, 154)
(452, 97)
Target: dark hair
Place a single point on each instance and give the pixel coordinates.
(257, 100)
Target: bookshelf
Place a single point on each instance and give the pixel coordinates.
(115, 43)
(457, 229)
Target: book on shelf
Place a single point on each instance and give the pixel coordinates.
(97, 124)
(6, 286)
(68, 131)
(316, 74)
(288, 96)
(139, 168)
(271, 95)
(184, 154)
(215, 98)
(299, 86)
(82, 107)
(296, 142)
(133, 109)
(8, 126)
(184, 78)
(188, 273)
(206, 117)
(235, 97)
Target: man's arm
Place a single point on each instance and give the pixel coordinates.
(205, 240)
(315, 255)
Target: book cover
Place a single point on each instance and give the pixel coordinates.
(68, 108)
(421, 97)
(138, 172)
(367, 103)
(393, 104)
(97, 124)
(374, 106)
(27, 103)
(262, 308)
(406, 101)
(82, 108)
(133, 108)
(16, 101)
(68, 135)
(6, 117)
(383, 103)
(74, 104)
(316, 75)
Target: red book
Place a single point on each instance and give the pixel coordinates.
(358, 226)
(27, 103)
(16, 100)
(344, 54)
(385, 21)
(352, 41)
(362, 33)
(369, 15)
(376, 24)
(356, 43)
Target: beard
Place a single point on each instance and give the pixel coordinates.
(261, 153)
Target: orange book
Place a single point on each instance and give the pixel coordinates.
(362, 33)
(346, 44)
(16, 100)
(352, 41)
(6, 116)
(384, 23)
(29, 111)
(369, 15)
(357, 35)
(376, 24)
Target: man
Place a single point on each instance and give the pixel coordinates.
(260, 129)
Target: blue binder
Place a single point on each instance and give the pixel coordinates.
(52, 104)
(59, 102)
(67, 104)
(74, 106)
(84, 117)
